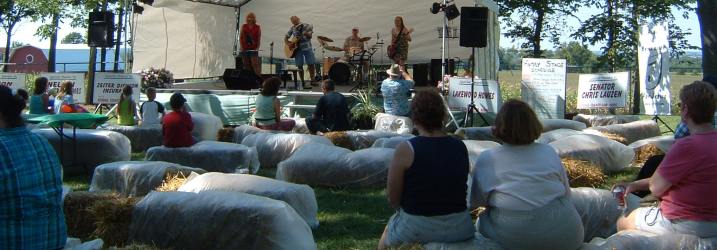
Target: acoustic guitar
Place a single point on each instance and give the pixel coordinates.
(290, 47)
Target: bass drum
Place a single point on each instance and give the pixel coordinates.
(340, 72)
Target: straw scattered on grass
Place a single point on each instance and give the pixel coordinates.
(583, 173)
(645, 152)
(225, 135)
(615, 137)
(340, 139)
(172, 181)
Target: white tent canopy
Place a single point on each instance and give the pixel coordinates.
(195, 39)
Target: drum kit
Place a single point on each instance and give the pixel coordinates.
(352, 66)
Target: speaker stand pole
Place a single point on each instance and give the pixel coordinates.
(271, 57)
(472, 106)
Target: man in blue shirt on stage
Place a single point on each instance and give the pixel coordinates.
(300, 35)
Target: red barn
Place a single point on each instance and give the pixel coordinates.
(26, 59)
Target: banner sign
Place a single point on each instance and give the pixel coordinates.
(78, 83)
(608, 90)
(543, 86)
(13, 81)
(654, 63)
(108, 86)
(486, 94)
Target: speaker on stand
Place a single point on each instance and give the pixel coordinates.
(100, 31)
(474, 27)
(240, 79)
(420, 74)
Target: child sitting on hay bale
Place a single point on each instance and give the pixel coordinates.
(126, 108)
(268, 108)
(177, 126)
(525, 187)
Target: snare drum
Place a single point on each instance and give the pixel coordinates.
(340, 72)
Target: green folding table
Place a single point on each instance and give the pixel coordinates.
(76, 120)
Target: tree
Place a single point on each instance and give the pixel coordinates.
(536, 21)
(577, 55)
(17, 44)
(509, 58)
(73, 38)
(13, 13)
(706, 10)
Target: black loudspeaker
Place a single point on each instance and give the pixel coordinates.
(101, 29)
(436, 65)
(474, 27)
(420, 74)
(240, 79)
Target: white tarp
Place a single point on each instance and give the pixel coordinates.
(197, 39)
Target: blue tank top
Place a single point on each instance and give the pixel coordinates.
(36, 105)
(436, 182)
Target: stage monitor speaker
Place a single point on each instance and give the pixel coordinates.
(436, 65)
(240, 79)
(101, 29)
(474, 27)
(420, 74)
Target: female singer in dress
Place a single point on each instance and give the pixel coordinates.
(400, 36)
(250, 37)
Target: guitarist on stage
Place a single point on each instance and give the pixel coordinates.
(298, 39)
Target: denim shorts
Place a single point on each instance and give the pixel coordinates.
(250, 53)
(304, 56)
(405, 228)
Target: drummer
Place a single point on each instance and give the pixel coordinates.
(354, 45)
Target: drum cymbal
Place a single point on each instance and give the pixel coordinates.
(364, 39)
(333, 48)
(325, 39)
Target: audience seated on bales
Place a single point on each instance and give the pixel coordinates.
(332, 111)
(429, 192)
(126, 108)
(268, 108)
(524, 186)
(40, 100)
(396, 90)
(177, 125)
(31, 203)
(150, 110)
(682, 130)
(686, 180)
(64, 103)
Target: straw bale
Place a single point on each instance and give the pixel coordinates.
(645, 152)
(340, 139)
(112, 218)
(172, 181)
(79, 222)
(583, 173)
(225, 135)
(615, 137)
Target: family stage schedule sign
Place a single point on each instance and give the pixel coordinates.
(543, 86)
(608, 90)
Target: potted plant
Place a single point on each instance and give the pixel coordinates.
(363, 114)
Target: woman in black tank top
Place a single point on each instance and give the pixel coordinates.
(427, 181)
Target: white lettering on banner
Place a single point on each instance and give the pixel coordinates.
(77, 79)
(607, 90)
(486, 94)
(108, 86)
(543, 86)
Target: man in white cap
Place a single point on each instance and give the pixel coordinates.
(396, 91)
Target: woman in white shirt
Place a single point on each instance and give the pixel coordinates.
(524, 187)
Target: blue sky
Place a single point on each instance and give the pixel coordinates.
(25, 30)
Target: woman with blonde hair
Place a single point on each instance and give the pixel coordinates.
(126, 108)
(400, 37)
(250, 38)
(524, 187)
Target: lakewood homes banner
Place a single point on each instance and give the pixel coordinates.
(607, 90)
(654, 63)
(486, 94)
(13, 81)
(108, 86)
(543, 86)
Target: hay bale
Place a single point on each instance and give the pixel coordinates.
(583, 173)
(615, 137)
(645, 152)
(340, 139)
(225, 135)
(112, 218)
(603, 120)
(172, 182)
(135, 178)
(632, 132)
(99, 215)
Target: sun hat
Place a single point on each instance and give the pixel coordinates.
(395, 70)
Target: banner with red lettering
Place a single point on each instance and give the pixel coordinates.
(108, 86)
(486, 94)
(13, 81)
(607, 90)
(78, 83)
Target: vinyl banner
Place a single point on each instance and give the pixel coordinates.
(486, 94)
(608, 90)
(654, 63)
(13, 81)
(543, 86)
(78, 83)
(108, 86)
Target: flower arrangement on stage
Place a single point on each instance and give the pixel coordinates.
(156, 78)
